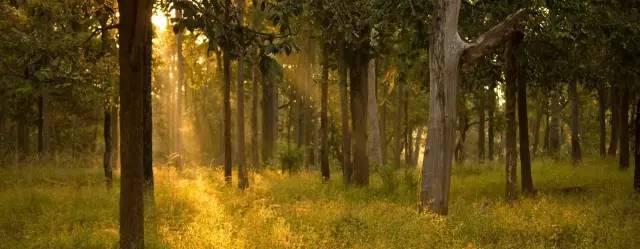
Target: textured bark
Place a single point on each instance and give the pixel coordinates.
(481, 127)
(446, 48)
(624, 129)
(324, 118)
(243, 179)
(615, 121)
(492, 119)
(523, 122)
(347, 170)
(636, 177)
(135, 22)
(358, 75)
(374, 145)
(576, 150)
(511, 73)
(602, 109)
(148, 119)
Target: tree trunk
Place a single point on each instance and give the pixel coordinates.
(227, 116)
(347, 169)
(374, 145)
(43, 135)
(148, 119)
(624, 129)
(481, 128)
(615, 121)
(358, 74)
(135, 22)
(243, 179)
(255, 155)
(636, 178)
(416, 148)
(491, 112)
(108, 149)
(523, 122)
(446, 48)
(536, 131)
(180, 82)
(576, 151)
(512, 76)
(324, 119)
(554, 125)
(602, 109)
(399, 117)
(23, 147)
(269, 115)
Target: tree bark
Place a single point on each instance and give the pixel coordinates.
(576, 151)
(255, 154)
(536, 132)
(602, 109)
(135, 22)
(180, 82)
(523, 122)
(446, 49)
(624, 129)
(481, 127)
(43, 134)
(108, 149)
(512, 76)
(227, 116)
(374, 145)
(324, 119)
(347, 169)
(416, 148)
(636, 178)
(554, 125)
(23, 143)
(491, 111)
(398, 124)
(358, 74)
(615, 121)
(148, 119)
(269, 115)
(243, 179)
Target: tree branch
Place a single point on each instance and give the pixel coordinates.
(492, 38)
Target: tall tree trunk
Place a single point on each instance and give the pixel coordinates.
(636, 178)
(347, 169)
(554, 125)
(43, 135)
(179, 100)
(358, 74)
(243, 179)
(269, 115)
(536, 131)
(492, 119)
(624, 129)
(135, 21)
(227, 116)
(446, 48)
(374, 145)
(576, 151)
(255, 154)
(23, 146)
(148, 119)
(615, 120)
(523, 122)
(108, 149)
(399, 117)
(324, 122)
(512, 76)
(602, 109)
(481, 127)
(416, 148)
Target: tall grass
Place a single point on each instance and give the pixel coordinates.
(588, 206)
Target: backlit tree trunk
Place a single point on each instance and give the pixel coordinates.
(108, 149)
(344, 116)
(255, 145)
(636, 178)
(43, 134)
(602, 109)
(243, 180)
(615, 121)
(227, 116)
(374, 145)
(554, 124)
(446, 49)
(135, 22)
(324, 122)
(512, 75)
(269, 116)
(481, 127)
(624, 129)
(147, 112)
(523, 122)
(179, 100)
(492, 119)
(358, 60)
(576, 151)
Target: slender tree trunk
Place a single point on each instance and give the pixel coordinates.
(536, 131)
(243, 179)
(227, 117)
(23, 147)
(115, 133)
(624, 130)
(358, 74)
(602, 109)
(636, 178)
(324, 122)
(523, 122)
(43, 135)
(347, 170)
(576, 151)
(179, 100)
(481, 128)
(399, 117)
(148, 119)
(108, 149)
(135, 21)
(416, 148)
(374, 145)
(491, 112)
(554, 125)
(269, 116)
(512, 76)
(255, 155)
(615, 120)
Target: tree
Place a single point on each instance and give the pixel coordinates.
(523, 122)
(624, 129)
(243, 179)
(512, 78)
(636, 178)
(576, 151)
(448, 52)
(135, 22)
(324, 122)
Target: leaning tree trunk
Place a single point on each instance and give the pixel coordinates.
(358, 59)
(615, 121)
(636, 178)
(324, 118)
(602, 109)
(511, 72)
(523, 122)
(446, 51)
(576, 151)
(374, 145)
(624, 130)
(347, 169)
(135, 22)
(243, 179)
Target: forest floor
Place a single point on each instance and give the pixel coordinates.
(590, 206)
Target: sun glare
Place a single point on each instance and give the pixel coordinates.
(159, 20)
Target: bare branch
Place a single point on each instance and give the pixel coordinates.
(492, 38)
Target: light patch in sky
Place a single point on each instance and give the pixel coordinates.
(160, 21)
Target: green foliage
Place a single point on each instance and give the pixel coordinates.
(291, 158)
